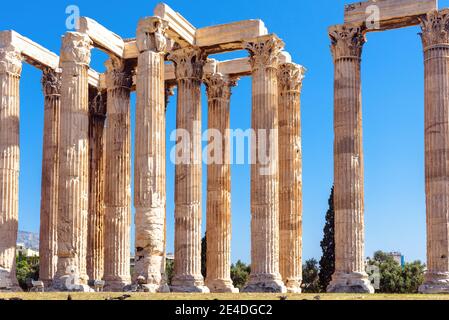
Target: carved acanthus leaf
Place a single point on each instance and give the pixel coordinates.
(264, 52)
(435, 28)
(10, 61)
(76, 47)
(219, 86)
(51, 82)
(189, 63)
(151, 34)
(117, 74)
(347, 41)
(290, 76)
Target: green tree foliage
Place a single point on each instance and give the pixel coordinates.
(204, 256)
(169, 271)
(240, 274)
(327, 262)
(310, 278)
(26, 268)
(397, 279)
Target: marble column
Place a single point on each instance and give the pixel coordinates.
(169, 92)
(290, 175)
(149, 166)
(95, 238)
(189, 64)
(218, 210)
(265, 276)
(10, 71)
(73, 197)
(48, 255)
(350, 276)
(435, 39)
(117, 221)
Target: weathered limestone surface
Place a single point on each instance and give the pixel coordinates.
(219, 184)
(189, 64)
(10, 71)
(392, 13)
(102, 38)
(350, 276)
(229, 36)
(117, 222)
(73, 199)
(435, 39)
(290, 175)
(95, 237)
(48, 255)
(265, 276)
(30, 51)
(149, 165)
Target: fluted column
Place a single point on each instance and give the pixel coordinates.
(189, 64)
(48, 255)
(350, 276)
(290, 175)
(10, 71)
(95, 238)
(435, 39)
(265, 276)
(73, 199)
(218, 210)
(169, 92)
(149, 167)
(117, 222)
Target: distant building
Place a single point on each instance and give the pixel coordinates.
(22, 250)
(398, 257)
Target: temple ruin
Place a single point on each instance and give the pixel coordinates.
(347, 42)
(86, 170)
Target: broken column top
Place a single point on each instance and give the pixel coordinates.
(390, 14)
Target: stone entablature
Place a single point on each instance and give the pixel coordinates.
(86, 193)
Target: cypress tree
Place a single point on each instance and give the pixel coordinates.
(327, 262)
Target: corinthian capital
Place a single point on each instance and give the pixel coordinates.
(117, 74)
(10, 61)
(218, 86)
(151, 34)
(346, 41)
(51, 82)
(189, 63)
(290, 77)
(264, 51)
(435, 28)
(76, 48)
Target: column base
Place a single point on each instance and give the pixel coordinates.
(356, 282)
(156, 288)
(265, 283)
(293, 286)
(8, 282)
(66, 284)
(116, 285)
(221, 286)
(435, 283)
(189, 284)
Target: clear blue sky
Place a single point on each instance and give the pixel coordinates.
(393, 112)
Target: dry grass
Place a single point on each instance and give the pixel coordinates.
(177, 296)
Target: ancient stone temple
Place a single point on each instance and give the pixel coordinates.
(347, 41)
(86, 204)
